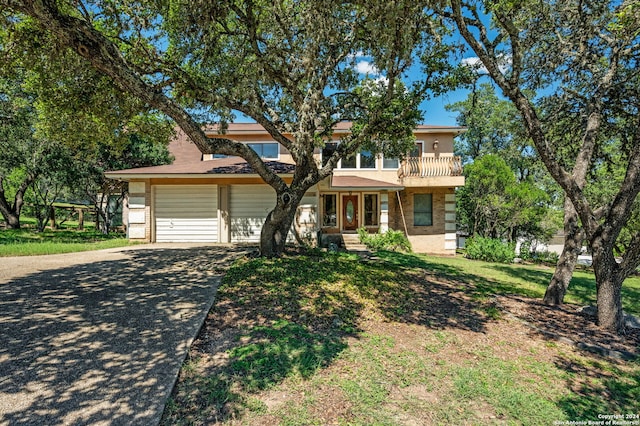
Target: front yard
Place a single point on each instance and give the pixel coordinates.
(401, 340)
(28, 242)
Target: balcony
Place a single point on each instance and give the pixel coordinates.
(431, 171)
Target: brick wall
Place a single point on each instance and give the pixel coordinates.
(436, 238)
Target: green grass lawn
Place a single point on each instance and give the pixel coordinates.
(401, 339)
(532, 281)
(28, 242)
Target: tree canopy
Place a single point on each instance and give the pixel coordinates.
(491, 123)
(63, 124)
(288, 65)
(494, 204)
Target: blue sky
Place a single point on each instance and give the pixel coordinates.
(434, 111)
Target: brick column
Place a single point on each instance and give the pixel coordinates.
(139, 220)
(450, 222)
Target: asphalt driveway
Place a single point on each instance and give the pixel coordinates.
(98, 337)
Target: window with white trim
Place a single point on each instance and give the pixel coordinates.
(367, 160)
(422, 209)
(328, 150)
(329, 210)
(266, 150)
(348, 162)
(390, 163)
(371, 210)
(361, 160)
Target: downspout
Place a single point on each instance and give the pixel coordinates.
(404, 222)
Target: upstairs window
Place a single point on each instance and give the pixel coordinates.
(361, 160)
(390, 163)
(327, 151)
(268, 150)
(367, 160)
(349, 162)
(416, 152)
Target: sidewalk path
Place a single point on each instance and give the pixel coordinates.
(98, 337)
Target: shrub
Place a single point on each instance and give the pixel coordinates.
(390, 240)
(490, 250)
(546, 257)
(525, 250)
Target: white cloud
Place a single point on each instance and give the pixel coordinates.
(354, 55)
(476, 64)
(366, 67)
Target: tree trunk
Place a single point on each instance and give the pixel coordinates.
(609, 290)
(102, 214)
(574, 235)
(52, 218)
(11, 213)
(80, 219)
(103, 226)
(276, 227)
(11, 219)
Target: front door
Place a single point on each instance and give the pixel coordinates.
(350, 212)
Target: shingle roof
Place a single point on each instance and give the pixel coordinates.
(230, 165)
(188, 161)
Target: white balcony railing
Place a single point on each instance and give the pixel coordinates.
(430, 167)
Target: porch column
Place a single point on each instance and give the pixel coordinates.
(224, 221)
(384, 212)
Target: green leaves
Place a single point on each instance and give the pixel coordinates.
(493, 126)
(493, 204)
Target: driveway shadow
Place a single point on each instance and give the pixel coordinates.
(102, 342)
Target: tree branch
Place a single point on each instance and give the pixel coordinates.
(631, 257)
(528, 112)
(105, 57)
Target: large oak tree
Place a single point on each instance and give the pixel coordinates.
(286, 64)
(18, 169)
(582, 56)
(62, 125)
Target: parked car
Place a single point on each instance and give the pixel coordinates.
(585, 260)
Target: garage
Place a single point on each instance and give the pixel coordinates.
(186, 213)
(249, 206)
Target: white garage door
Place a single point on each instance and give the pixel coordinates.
(186, 213)
(249, 206)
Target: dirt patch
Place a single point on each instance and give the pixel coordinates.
(569, 325)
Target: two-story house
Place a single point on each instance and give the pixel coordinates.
(211, 198)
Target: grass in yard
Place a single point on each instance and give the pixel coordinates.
(530, 280)
(326, 338)
(27, 242)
